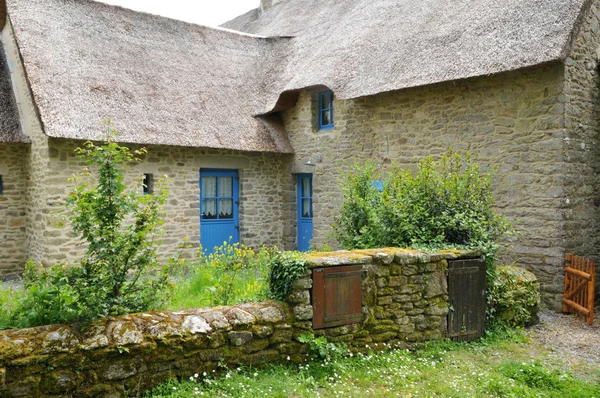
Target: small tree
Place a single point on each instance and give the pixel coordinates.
(119, 272)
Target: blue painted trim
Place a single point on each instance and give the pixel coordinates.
(325, 107)
(302, 220)
(233, 237)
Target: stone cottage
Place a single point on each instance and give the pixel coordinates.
(256, 121)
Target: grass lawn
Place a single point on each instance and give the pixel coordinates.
(501, 365)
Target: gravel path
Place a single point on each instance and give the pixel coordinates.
(571, 340)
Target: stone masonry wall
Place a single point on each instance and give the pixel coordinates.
(36, 159)
(12, 207)
(260, 195)
(581, 149)
(513, 121)
(405, 300)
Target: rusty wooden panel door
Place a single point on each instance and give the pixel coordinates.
(466, 291)
(337, 296)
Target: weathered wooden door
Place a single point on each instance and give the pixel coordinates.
(466, 290)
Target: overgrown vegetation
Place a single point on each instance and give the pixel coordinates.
(286, 268)
(447, 204)
(517, 299)
(232, 274)
(119, 272)
(500, 365)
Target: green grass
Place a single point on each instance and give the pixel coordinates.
(9, 297)
(232, 274)
(501, 365)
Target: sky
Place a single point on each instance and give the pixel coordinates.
(203, 12)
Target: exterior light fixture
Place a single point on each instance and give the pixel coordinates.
(310, 162)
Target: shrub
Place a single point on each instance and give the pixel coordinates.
(286, 268)
(447, 203)
(517, 297)
(119, 272)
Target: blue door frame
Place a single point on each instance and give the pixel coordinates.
(219, 208)
(305, 211)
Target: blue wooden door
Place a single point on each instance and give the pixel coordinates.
(305, 211)
(219, 208)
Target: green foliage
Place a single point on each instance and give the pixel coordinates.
(9, 299)
(232, 274)
(119, 272)
(447, 204)
(320, 349)
(286, 268)
(495, 366)
(517, 300)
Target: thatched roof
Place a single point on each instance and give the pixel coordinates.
(10, 129)
(161, 81)
(363, 47)
(168, 82)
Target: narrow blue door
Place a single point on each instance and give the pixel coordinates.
(219, 206)
(305, 211)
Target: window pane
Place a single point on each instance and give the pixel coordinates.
(326, 100)
(225, 208)
(209, 186)
(225, 187)
(306, 208)
(325, 118)
(305, 187)
(209, 208)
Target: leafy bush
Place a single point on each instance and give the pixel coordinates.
(320, 349)
(286, 268)
(446, 204)
(517, 297)
(119, 272)
(232, 274)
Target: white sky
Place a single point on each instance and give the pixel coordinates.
(204, 12)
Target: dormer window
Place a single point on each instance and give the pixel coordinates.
(326, 110)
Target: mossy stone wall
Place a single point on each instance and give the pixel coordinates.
(404, 296)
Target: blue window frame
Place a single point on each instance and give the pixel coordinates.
(1, 185)
(326, 110)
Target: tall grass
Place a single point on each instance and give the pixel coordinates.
(232, 274)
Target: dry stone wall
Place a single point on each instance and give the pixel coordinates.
(513, 121)
(404, 296)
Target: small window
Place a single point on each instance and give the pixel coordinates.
(326, 110)
(148, 184)
(1, 185)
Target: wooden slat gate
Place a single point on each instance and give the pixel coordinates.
(580, 279)
(466, 291)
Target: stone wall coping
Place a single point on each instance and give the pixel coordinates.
(135, 329)
(385, 255)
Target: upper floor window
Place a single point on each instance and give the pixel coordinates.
(326, 110)
(147, 184)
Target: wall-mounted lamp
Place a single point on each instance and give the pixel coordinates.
(310, 162)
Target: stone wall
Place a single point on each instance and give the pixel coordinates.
(581, 150)
(513, 121)
(261, 220)
(13, 207)
(404, 298)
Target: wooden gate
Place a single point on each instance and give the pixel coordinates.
(466, 291)
(580, 279)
